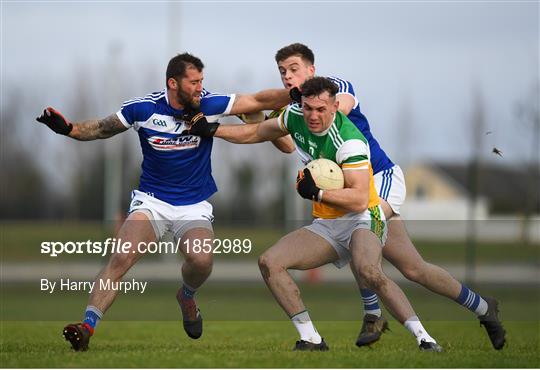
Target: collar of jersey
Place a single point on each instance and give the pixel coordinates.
(167, 98)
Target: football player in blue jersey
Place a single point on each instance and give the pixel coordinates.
(296, 65)
(175, 183)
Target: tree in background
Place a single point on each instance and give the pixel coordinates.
(24, 192)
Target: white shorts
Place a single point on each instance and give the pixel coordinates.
(166, 217)
(390, 185)
(338, 231)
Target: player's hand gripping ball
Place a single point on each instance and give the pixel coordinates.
(326, 173)
(305, 186)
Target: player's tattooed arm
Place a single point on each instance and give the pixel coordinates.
(97, 129)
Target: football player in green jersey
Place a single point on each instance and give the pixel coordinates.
(349, 224)
(296, 65)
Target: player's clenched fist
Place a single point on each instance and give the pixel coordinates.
(55, 121)
(306, 187)
(198, 125)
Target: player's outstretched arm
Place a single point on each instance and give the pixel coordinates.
(249, 134)
(263, 100)
(84, 131)
(97, 128)
(238, 134)
(271, 130)
(354, 197)
(284, 144)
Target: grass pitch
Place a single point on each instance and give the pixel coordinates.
(31, 321)
(261, 344)
(234, 336)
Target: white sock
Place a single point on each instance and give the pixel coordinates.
(414, 325)
(482, 307)
(305, 328)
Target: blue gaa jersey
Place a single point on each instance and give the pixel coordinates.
(379, 159)
(176, 168)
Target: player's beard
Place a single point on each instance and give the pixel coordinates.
(187, 100)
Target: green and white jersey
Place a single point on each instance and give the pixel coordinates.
(342, 143)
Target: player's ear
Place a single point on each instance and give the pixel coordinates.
(172, 84)
(311, 70)
(336, 105)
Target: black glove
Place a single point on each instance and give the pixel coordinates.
(55, 121)
(296, 95)
(198, 125)
(305, 185)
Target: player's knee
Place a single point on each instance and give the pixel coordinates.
(200, 262)
(120, 263)
(373, 277)
(264, 265)
(268, 265)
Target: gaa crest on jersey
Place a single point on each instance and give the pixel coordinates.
(299, 137)
(181, 142)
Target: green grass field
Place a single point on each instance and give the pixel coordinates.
(145, 330)
(244, 327)
(261, 344)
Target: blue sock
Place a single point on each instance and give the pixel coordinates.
(188, 292)
(371, 302)
(92, 316)
(471, 300)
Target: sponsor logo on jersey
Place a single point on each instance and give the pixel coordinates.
(299, 137)
(311, 143)
(174, 143)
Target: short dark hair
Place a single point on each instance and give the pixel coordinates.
(298, 49)
(317, 85)
(177, 65)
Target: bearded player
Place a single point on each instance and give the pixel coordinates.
(175, 183)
